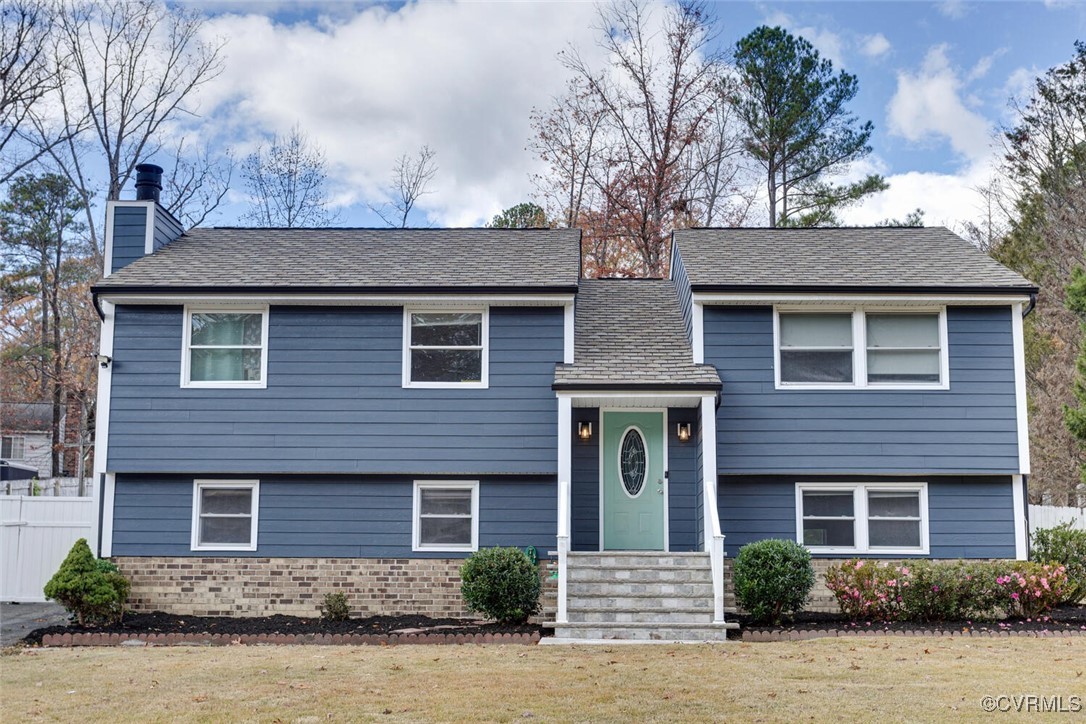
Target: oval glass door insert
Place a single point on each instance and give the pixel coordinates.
(632, 461)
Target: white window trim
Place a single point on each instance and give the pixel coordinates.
(186, 352)
(860, 519)
(22, 447)
(199, 485)
(859, 348)
(484, 381)
(416, 514)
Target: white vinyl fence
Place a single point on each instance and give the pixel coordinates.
(55, 487)
(36, 534)
(1049, 516)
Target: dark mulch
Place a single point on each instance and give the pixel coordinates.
(165, 623)
(1062, 618)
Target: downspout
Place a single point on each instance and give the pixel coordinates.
(1029, 307)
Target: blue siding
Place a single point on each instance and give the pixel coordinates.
(334, 401)
(129, 235)
(683, 484)
(585, 459)
(682, 288)
(969, 517)
(970, 428)
(167, 228)
(323, 516)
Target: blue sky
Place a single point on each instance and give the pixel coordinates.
(369, 82)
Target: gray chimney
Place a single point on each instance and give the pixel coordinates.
(148, 182)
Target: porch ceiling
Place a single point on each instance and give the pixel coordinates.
(636, 400)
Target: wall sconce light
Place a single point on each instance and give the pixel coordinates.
(683, 431)
(584, 431)
(103, 360)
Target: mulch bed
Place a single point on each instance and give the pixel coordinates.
(1061, 621)
(157, 626)
(166, 629)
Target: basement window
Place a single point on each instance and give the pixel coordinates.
(863, 517)
(224, 515)
(446, 516)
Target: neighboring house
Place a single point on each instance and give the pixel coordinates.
(289, 412)
(24, 435)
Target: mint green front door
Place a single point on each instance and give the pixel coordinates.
(633, 481)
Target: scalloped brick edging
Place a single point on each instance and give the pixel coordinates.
(755, 636)
(174, 639)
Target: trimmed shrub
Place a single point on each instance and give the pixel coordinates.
(1067, 545)
(336, 607)
(773, 578)
(91, 589)
(952, 590)
(501, 584)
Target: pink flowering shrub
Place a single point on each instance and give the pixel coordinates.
(1030, 589)
(868, 589)
(925, 590)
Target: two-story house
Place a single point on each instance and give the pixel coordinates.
(288, 412)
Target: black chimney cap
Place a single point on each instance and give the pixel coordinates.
(148, 182)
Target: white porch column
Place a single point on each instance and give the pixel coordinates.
(565, 473)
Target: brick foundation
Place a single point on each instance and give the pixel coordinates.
(821, 599)
(297, 586)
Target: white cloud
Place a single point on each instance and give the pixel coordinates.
(461, 77)
(927, 105)
(875, 45)
(947, 199)
(982, 66)
(954, 9)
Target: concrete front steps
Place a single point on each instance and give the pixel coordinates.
(640, 596)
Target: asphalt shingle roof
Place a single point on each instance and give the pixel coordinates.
(359, 259)
(630, 332)
(840, 258)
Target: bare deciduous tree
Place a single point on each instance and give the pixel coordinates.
(286, 183)
(1045, 165)
(411, 177)
(195, 184)
(641, 146)
(128, 69)
(28, 73)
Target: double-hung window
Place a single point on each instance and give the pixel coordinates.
(816, 348)
(445, 348)
(446, 516)
(224, 515)
(862, 517)
(861, 348)
(13, 447)
(225, 348)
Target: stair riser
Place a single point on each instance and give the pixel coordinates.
(644, 590)
(656, 634)
(646, 575)
(650, 605)
(634, 562)
(655, 617)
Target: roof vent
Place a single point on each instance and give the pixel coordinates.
(148, 182)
